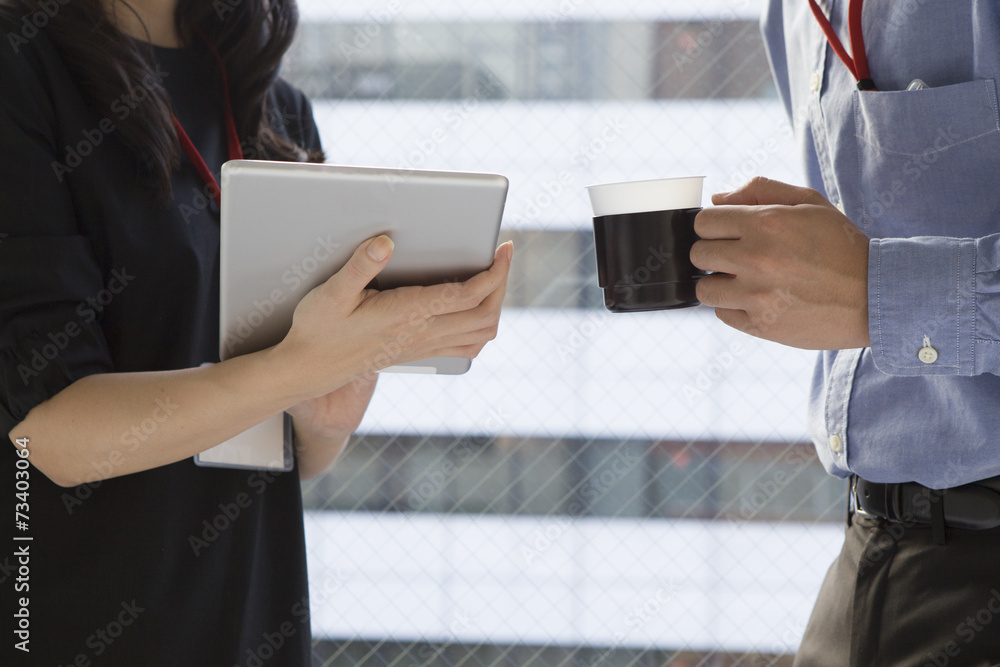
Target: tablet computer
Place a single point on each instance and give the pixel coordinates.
(287, 227)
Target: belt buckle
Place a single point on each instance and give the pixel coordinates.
(858, 509)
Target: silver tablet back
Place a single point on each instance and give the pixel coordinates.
(288, 227)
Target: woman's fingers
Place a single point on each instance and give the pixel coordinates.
(458, 297)
(367, 262)
(484, 317)
(358, 329)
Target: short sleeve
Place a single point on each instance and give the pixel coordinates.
(50, 334)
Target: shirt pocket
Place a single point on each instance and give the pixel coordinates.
(929, 160)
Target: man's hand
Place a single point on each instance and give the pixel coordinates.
(789, 266)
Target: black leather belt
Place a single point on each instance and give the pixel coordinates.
(974, 506)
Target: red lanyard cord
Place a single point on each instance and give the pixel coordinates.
(232, 137)
(858, 65)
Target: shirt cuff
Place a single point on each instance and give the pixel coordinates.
(922, 305)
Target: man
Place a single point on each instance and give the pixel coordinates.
(893, 262)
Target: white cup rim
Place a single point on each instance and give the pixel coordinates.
(645, 180)
(625, 197)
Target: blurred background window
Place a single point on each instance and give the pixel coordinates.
(600, 489)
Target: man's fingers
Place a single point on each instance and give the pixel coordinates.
(718, 256)
(737, 319)
(719, 291)
(760, 191)
(724, 222)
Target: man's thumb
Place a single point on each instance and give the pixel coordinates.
(760, 191)
(366, 263)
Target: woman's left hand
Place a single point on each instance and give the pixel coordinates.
(339, 411)
(323, 424)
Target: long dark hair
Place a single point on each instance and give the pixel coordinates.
(252, 36)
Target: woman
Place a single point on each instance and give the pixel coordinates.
(109, 307)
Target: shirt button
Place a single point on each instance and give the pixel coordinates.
(927, 354)
(836, 443)
(814, 82)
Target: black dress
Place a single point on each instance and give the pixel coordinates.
(177, 566)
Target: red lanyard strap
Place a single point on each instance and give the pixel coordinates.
(232, 137)
(858, 65)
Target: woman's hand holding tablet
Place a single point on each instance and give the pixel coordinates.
(343, 330)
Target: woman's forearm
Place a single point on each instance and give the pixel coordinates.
(113, 424)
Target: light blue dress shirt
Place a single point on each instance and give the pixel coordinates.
(919, 172)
